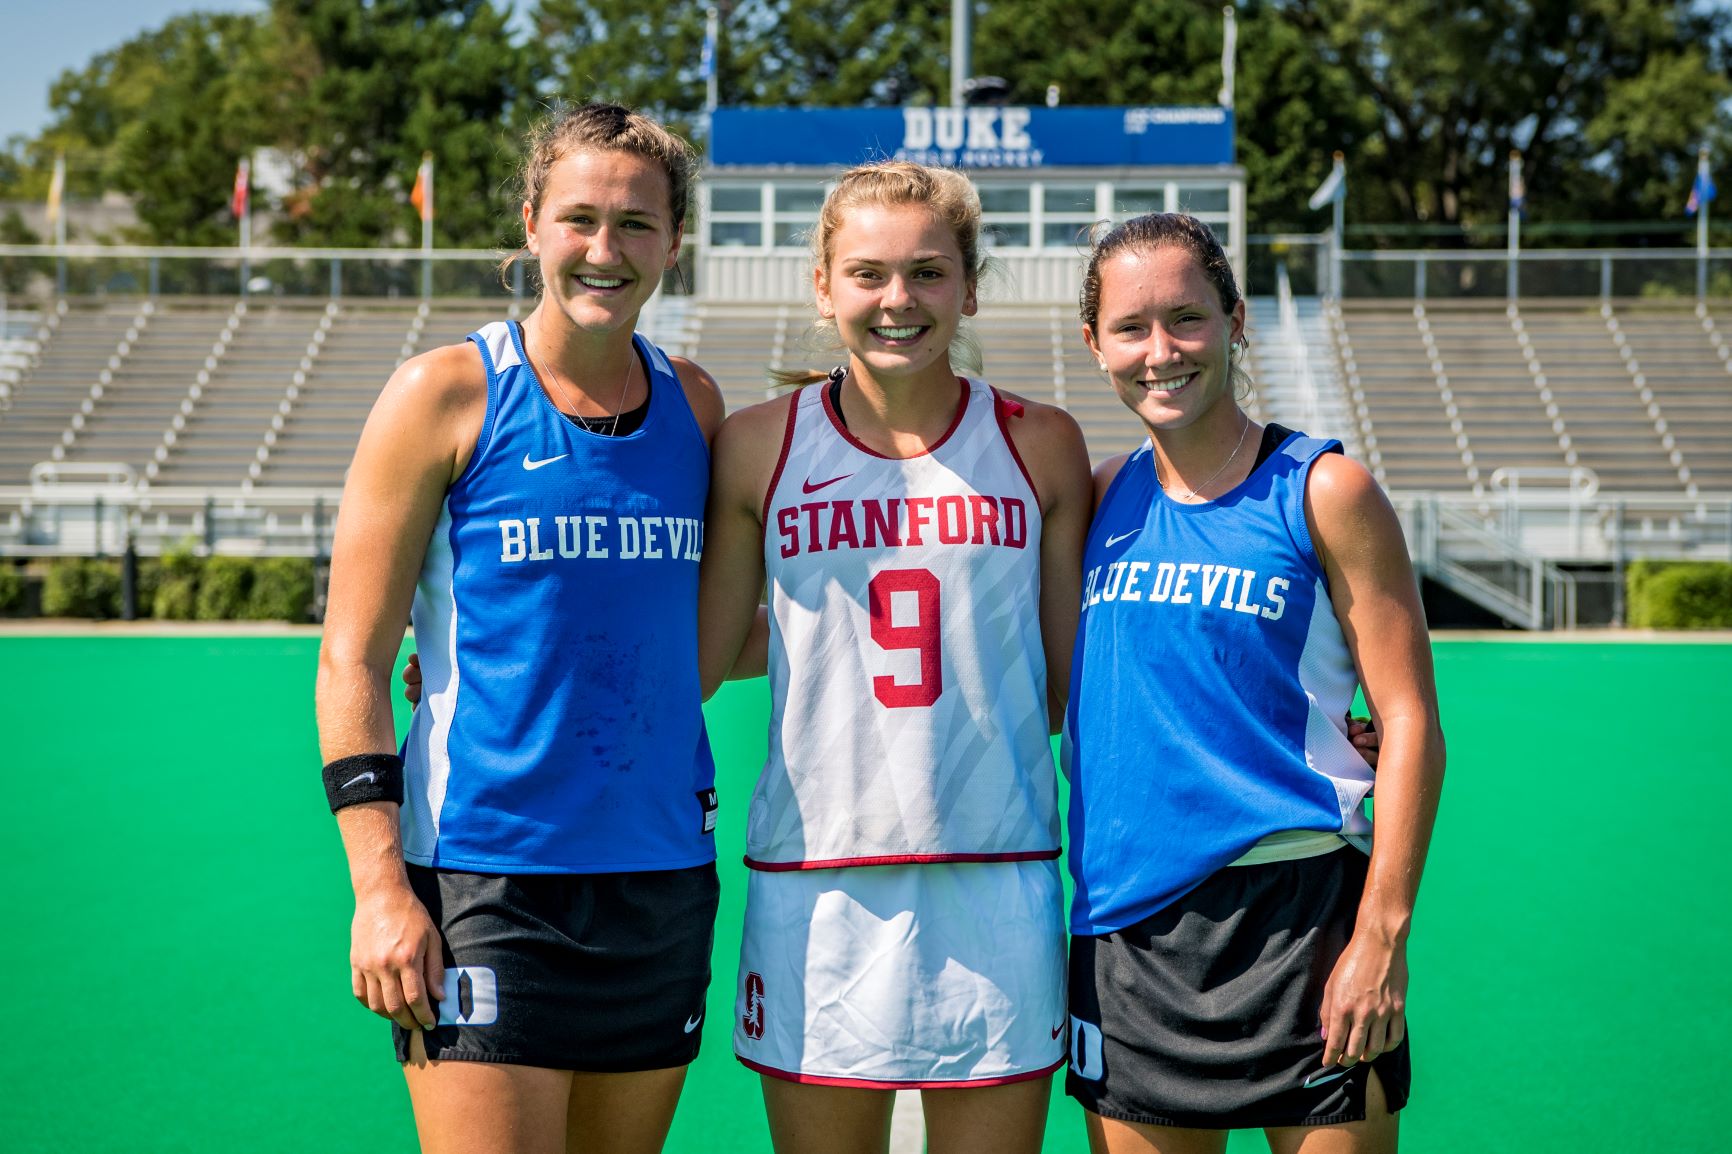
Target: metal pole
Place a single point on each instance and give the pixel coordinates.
(1229, 47)
(1517, 196)
(60, 226)
(1618, 607)
(1702, 182)
(129, 580)
(712, 41)
(961, 35)
(246, 222)
(321, 567)
(427, 211)
(1340, 216)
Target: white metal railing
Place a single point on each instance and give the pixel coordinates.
(156, 270)
(1294, 338)
(69, 511)
(89, 518)
(1317, 266)
(1452, 546)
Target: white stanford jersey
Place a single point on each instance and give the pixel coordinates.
(908, 684)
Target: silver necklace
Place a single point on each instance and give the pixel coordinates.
(618, 409)
(1190, 493)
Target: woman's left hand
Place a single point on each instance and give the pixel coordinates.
(1365, 1001)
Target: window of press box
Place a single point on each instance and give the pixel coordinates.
(1015, 199)
(799, 198)
(1069, 198)
(1202, 200)
(736, 198)
(736, 233)
(1128, 202)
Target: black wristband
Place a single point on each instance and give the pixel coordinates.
(364, 777)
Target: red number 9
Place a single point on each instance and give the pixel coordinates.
(923, 635)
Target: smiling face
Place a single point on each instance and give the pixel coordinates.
(1163, 337)
(897, 287)
(604, 235)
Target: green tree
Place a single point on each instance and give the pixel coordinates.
(160, 119)
(847, 52)
(1605, 98)
(368, 88)
(642, 54)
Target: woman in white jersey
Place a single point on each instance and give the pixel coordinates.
(1236, 962)
(920, 533)
(534, 880)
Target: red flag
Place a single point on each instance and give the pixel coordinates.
(238, 201)
(421, 196)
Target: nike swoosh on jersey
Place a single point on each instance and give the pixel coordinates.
(530, 466)
(1111, 541)
(806, 486)
(692, 1023)
(1323, 1076)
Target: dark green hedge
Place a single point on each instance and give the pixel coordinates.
(1680, 595)
(178, 586)
(81, 587)
(11, 588)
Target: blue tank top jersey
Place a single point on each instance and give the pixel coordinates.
(1209, 689)
(560, 728)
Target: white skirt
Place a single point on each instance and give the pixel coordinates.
(898, 977)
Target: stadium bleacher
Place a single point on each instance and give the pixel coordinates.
(1447, 394)
(223, 393)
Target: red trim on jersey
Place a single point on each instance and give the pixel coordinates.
(1004, 408)
(878, 1084)
(836, 423)
(781, 462)
(837, 863)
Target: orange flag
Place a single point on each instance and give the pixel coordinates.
(421, 196)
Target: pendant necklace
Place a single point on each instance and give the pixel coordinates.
(618, 409)
(1190, 493)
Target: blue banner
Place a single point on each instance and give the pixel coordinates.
(1010, 137)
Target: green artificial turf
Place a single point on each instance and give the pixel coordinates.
(177, 908)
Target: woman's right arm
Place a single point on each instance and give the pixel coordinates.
(416, 441)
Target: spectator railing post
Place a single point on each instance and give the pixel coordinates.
(129, 580)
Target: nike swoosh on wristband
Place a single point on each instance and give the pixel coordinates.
(369, 777)
(1111, 541)
(531, 466)
(806, 486)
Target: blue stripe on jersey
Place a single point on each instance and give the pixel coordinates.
(1208, 691)
(560, 728)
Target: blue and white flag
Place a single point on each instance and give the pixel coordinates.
(1334, 186)
(707, 60)
(1702, 191)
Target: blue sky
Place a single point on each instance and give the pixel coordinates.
(40, 39)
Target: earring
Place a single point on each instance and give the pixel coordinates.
(1103, 365)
